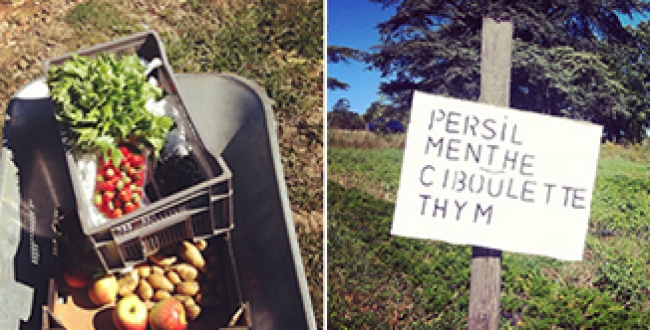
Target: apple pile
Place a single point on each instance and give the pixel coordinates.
(131, 314)
(169, 287)
(119, 189)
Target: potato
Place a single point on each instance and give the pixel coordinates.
(155, 269)
(186, 271)
(192, 255)
(173, 277)
(163, 260)
(188, 302)
(145, 291)
(187, 288)
(191, 309)
(160, 282)
(127, 283)
(201, 244)
(161, 295)
(143, 270)
(181, 297)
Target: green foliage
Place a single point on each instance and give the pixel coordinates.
(378, 110)
(622, 268)
(338, 54)
(569, 58)
(570, 78)
(629, 64)
(341, 105)
(344, 119)
(101, 102)
(341, 116)
(335, 84)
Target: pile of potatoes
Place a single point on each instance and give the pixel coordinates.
(178, 271)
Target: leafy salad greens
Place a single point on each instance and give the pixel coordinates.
(101, 103)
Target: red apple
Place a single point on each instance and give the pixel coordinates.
(76, 278)
(168, 314)
(130, 313)
(103, 290)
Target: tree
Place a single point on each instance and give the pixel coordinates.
(375, 111)
(558, 66)
(338, 54)
(342, 105)
(631, 66)
(342, 117)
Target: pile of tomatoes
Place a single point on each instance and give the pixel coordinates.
(119, 189)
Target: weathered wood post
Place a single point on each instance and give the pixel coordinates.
(485, 284)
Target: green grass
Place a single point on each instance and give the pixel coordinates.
(371, 281)
(371, 170)
(99, 16)
(621, 201)
(618, 166)
(377, 281)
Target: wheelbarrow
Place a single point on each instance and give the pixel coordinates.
(235, 120)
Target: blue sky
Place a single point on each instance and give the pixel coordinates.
(352, 23)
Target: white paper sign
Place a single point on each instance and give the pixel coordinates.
(495, 177)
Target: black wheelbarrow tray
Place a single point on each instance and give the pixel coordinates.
(234, 118)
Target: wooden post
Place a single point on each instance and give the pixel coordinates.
(485, 284)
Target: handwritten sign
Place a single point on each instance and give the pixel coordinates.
(494, 177)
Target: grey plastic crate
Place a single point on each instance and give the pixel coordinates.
(33, 176)
(181, 209)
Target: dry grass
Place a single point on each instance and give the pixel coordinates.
(364, 139)
(639, 152)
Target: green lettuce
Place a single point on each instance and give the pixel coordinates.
(101, 102)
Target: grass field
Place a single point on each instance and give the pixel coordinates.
(377, 281)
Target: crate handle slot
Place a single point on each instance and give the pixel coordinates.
(159, 224)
